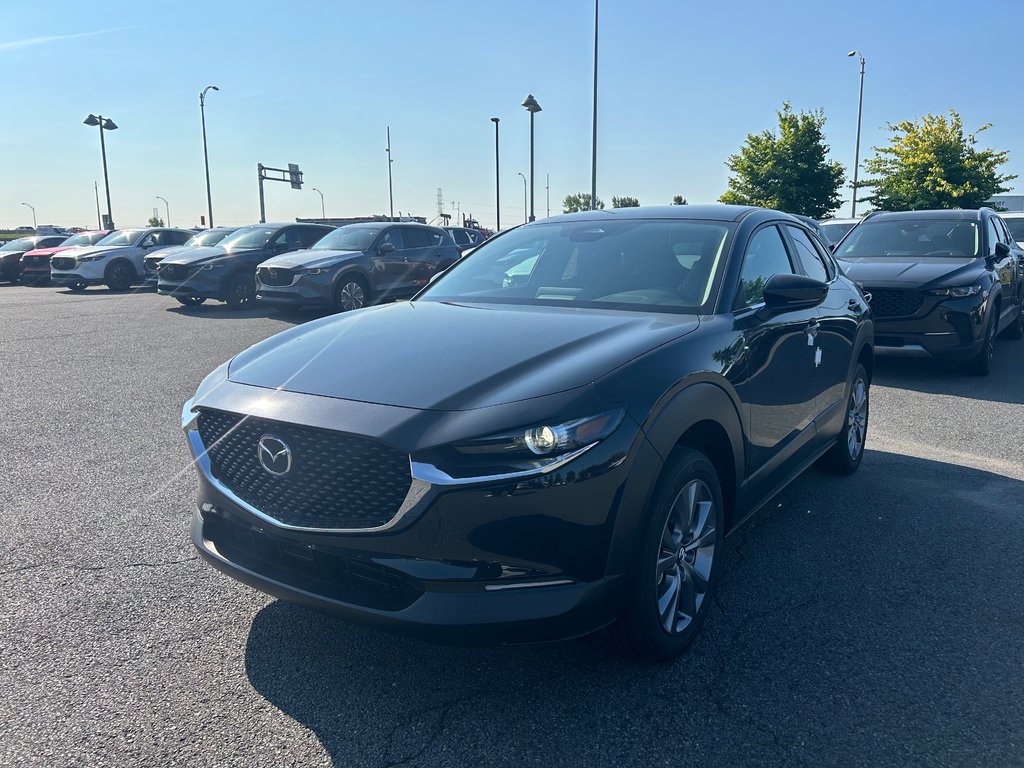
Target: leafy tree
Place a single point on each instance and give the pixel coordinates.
(930, 163)
(625, 202)
(678, 200)
(155, 221)
(787, 170)
(579, 202)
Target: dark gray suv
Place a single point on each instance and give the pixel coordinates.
(357, 265)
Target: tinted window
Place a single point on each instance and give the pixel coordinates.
(913, 237)
(173, 238)
(991, 235)
(1004, 233)
(619, 264)
(766, 256)
(248, 237)
(808, 256)
(350, 238)
(311, 235)
(460, 236)
(209, 237)
(291, 238)
(393, 236)
(120, 237)
(148, 241)
(835, 230)
(1016, 227)
(416, 237)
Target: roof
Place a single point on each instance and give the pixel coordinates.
(958, 214)
(704, 212)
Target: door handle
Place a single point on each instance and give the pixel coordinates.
(853, 305)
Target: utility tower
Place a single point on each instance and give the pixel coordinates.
(440, 202)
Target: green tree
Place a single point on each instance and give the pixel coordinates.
(625, 202)
(787, 170)
(678, 200)
(155, 221)
(579, 202)
(930, 163)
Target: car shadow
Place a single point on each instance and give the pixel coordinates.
(941, 377)
(850, 612)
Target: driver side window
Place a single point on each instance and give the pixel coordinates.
(766, 256)
(148, 241)
(991, 235)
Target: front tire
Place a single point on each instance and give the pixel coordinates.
(241, 291)
(981, 365)
(677, 570)
(119, 276)
(845, 456)
(77, 287)
(190, 301)
(351, 293)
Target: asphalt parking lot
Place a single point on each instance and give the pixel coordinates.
(871, 620)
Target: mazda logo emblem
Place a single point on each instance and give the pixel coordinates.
(275, 456)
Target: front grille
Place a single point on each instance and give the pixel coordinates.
(891, 302)
(61, 262)
(275, 276)
(33, 261)
(335, 481)
(311, 568)
(173, 271)
(152, 264)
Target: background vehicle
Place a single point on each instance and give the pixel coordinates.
(205, 238)
(115, 261)
(464, 237)
(1015, 223)
(35, 265)
(358, 265)
(574, 459)
(836, 229)
(11, 253)
(816, 228)
(942, 283)
(227, 271)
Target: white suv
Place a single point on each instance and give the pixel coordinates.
(115, 261)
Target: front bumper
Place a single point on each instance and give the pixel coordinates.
(205, 284)
(74, 278)
(501, 561)
(35, 275)
(951, 329)
(306, 290)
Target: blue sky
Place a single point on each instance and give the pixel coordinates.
(316, 83)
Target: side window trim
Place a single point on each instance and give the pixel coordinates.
(739, 278)
(794, 250)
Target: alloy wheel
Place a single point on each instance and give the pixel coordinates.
(857, 418)
(351, 296)
(685, 557)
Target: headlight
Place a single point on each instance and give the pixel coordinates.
(206, 267)
(91, 257)
(310, 271)
(958, 292)
(546, 440)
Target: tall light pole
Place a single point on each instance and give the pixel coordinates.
(860, 106)
(323, 210)
(524, 196)
(105, 124)
(96, 191)
(206, 156)
(497, 174)
(391, 192)
(593, 155)
(34, 225)
(533, 108)
(167, 207)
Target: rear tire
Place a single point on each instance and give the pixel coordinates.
(981, 365)
(1016, 330)
(676, 570)
(241, 291)
(845, 456)
(351, 293)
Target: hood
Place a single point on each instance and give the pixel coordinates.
(916, 271)
(308, 258)
(192, 255)
(453, 357)
(106, 250)
(174, 250)
(51, 251)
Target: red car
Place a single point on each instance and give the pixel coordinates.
(35, 265)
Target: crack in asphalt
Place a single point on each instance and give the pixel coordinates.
(96, 568)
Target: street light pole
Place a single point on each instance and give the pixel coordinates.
(323, 210)
(391, 192)
(860, 106)
(206, 157)
(167, 207)
(35, 227)
(105, 124)
(497, 174)
(593, 156)
(524, 196)
(533, 108)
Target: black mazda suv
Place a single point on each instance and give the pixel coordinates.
(553, 437)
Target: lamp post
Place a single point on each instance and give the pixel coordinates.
(524, 196)
(860, 106)
(323, 210)
(593, 155)
(167, 207)
(206, 157)
(35, 227)
(105, 124)
(533, 108)
(497, 174)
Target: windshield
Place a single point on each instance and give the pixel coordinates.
(1016, 227)
(121, 237)
(248, 237)
(21, 244)
(912, 237)
(210, 237)
(652, 265)
(836, 230)
(85, 238)
(350, 238)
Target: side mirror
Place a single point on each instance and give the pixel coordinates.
(783, 293)
(1002, 250)
(386, 248)
(279, 247)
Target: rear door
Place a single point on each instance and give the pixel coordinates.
(779, 389)
(390, 265)
(421, 256)
(1011, 276)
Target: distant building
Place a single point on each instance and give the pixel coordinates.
(339, 222)
(1014, 203)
